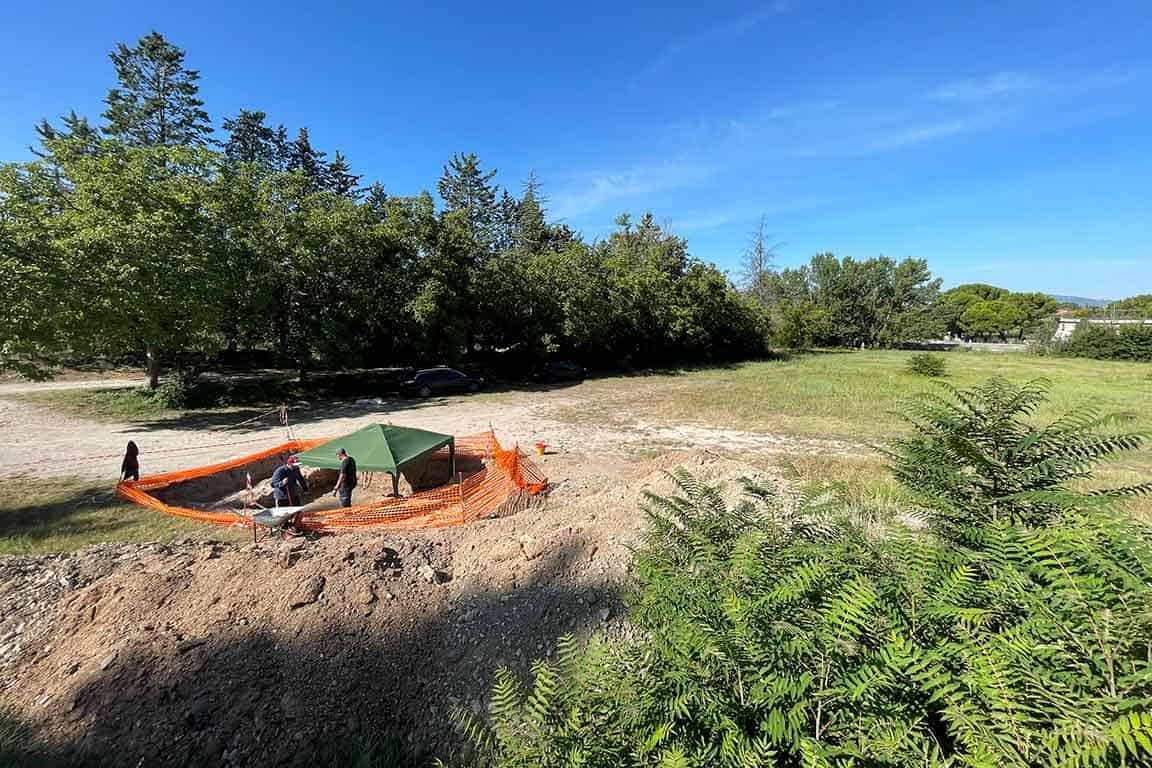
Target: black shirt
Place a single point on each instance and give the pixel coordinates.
(348, 473)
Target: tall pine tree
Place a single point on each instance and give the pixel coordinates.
(157, 100)
(507, 222)
(74, 127)
(531, 229)
(250, 140)
(464, 187)
(302, 156)
(341, 180)
(283, 148)
(377, 200)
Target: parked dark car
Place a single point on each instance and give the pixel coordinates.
(439, 381)
(559, 370)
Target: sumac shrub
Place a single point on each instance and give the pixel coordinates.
(802, 630)
(927, 364)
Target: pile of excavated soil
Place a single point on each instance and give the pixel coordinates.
(212, 654)
(30, 588)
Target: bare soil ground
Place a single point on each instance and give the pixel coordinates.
(41, 442)
(196, 653)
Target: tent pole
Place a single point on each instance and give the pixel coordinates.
(460, 485)
(395, 483)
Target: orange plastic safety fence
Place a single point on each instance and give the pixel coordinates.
(506, 478)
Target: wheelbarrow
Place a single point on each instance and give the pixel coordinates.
(275, 520)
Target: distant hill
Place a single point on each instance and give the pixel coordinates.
(1081, 301)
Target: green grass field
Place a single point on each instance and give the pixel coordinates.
(61, 515)
(124, 404)
(856, 396)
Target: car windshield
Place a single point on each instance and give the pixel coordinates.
(438, 374)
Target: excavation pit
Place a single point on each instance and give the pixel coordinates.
(482, 479)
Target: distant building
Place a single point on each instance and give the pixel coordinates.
(1066, 326)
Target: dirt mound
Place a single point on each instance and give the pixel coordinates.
(205, 653)
(31, 586)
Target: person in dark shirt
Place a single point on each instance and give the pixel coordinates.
(288, 484)
(346, 480)
(130, 467)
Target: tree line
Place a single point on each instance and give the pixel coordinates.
(877, 302)
(150, 235)
(154, 237)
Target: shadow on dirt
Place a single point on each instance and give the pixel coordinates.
(284, 696)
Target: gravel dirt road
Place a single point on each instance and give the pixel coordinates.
(79, 447)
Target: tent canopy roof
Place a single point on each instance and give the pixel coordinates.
(378, 448)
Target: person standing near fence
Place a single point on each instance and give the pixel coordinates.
(346, 480)
(130, 467)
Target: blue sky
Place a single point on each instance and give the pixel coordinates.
(1006, 142)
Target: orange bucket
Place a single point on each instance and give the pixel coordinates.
(540, 448)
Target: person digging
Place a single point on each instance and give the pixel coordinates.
(346, 479)
(288, 489)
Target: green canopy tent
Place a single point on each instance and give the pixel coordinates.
(382, 448)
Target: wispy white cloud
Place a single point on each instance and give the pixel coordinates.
(859, 145)
(856, 120)
(790, 111)
(918, 134)
(747, 214)
(590, 192)
(985, 88)
(711, 133)
(709, 148)
(1003, 84)
(702, 222)
(710, 38)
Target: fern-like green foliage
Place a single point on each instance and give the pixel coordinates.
(796, 631)
(976, 457)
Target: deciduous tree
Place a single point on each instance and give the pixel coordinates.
(135, 238)
(757, 264)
